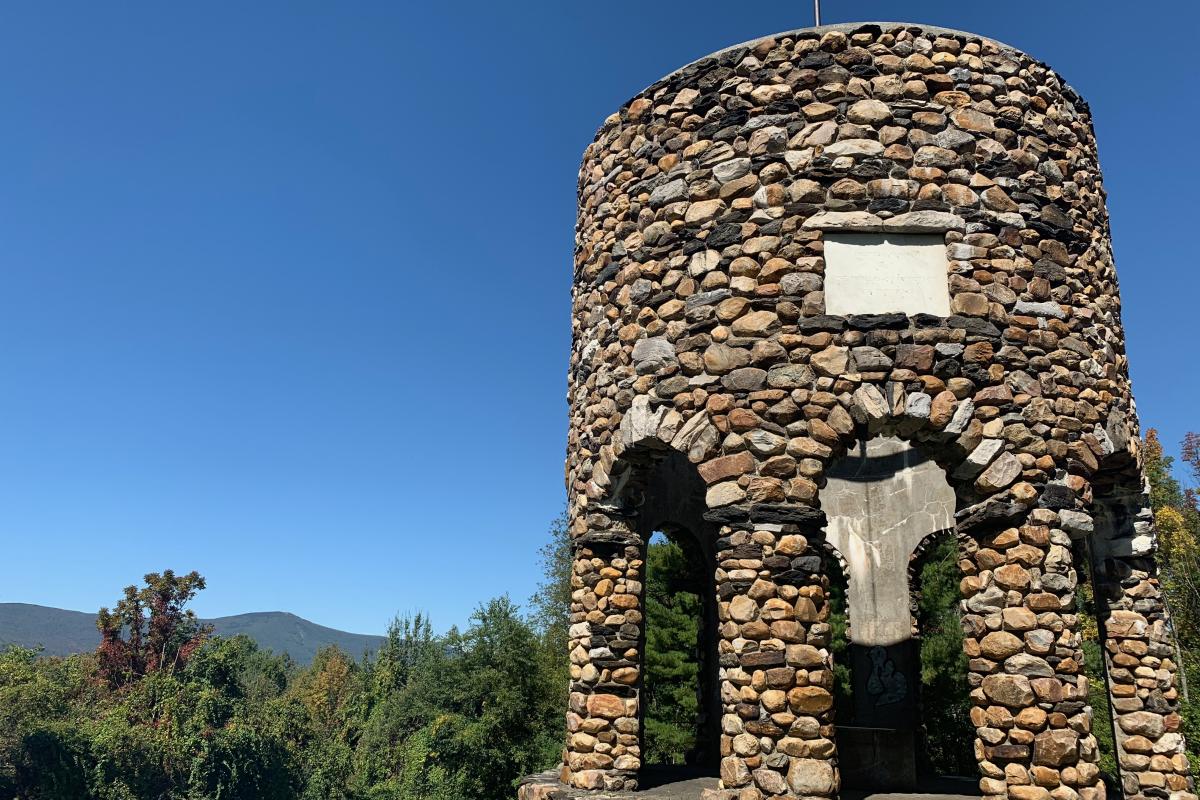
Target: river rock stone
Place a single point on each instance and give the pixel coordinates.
(1013, 691)
(999, 474)
(811, 776)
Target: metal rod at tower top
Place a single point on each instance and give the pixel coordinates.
(817, 12)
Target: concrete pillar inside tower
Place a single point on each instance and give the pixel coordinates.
(882, 500)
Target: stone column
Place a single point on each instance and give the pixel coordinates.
(776, 673)
(1140, 656)
(1033, 725)
(603, 724)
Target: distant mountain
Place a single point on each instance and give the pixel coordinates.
(61, 632)
(286, 633)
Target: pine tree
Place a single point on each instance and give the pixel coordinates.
(673, 618)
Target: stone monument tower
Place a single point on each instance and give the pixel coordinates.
(838, 291)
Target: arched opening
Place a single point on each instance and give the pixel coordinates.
(885, 502)
(680, 705)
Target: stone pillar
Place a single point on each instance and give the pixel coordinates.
(1033, 724)
(1140, 657)
(604, 723)
(776, 673)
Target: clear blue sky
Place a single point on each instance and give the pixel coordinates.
(285, 285)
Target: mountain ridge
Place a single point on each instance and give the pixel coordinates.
(61, 632)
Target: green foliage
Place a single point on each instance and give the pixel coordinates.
(673, 615)
(183, 733)
(1177, 519)
(163, 713)
(551, 603)
(496, 709)
(550, 618)
(1190, 711)
(945, 695)
(1102, 724)
(839, 643)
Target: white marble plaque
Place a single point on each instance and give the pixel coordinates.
(879, 273)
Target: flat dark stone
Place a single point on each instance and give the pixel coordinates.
(743, 551)
(870, 322)
(816, 60)
(894, 205)
(724, 235)
(988, 516)
(1057, 496)
(606, 273)
(786, 512)
(1045, 268)
(730, 515)
(764, 728)
(974, 326)
(927, 321)
(601, 539)
(794, 577)
(707, 298)
(823, 322)
(763, 658)
(811, 564)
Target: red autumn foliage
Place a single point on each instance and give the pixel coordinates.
(150, 630)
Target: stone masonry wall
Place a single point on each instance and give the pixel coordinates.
(700, 326)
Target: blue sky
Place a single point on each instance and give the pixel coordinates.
(285, 286)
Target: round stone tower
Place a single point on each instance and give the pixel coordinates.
(810, 265)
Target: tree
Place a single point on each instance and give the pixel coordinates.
(39, 757)
(673, 615)
(1177, 520)
(945, 693)
(550, 605)
(488, 719)
(165, 711)
(399, 680)
(839, 642)
(1165, 491)
(508, 717)
(150, 629)
(550, 617)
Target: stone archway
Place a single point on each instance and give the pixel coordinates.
(652, 487)
(883, 500)
(672, 503)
